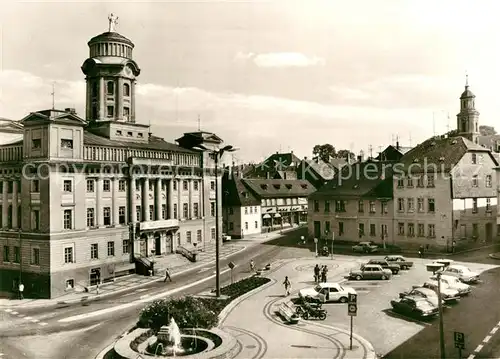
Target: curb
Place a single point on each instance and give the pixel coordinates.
(494, 255)
(97, 297)
(106, 350)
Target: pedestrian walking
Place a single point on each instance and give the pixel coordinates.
(421, 251)
(167, 276)
(252, 266)
(317, 271)
(288, 285)
(324, 272)
(21, 290)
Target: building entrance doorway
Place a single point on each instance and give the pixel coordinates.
(143, 246)
(157, 244)
(317, 229)
(95, 276)
(489, 232)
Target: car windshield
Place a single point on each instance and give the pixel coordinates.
(425, 304)
(451, 280)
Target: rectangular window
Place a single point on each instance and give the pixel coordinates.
(195, 210)
(174, 185)
(138, 213)
(137, 185)
(475, 181)
(126, 113)
(474, 205)
(411, 230)
(430, 180)
(373, 230)
(401, 229)
(474, 159)
(111, 249)
(90, 185)
(198, 235)
(361, 206)
(175, 211)
(35, 186)
(122, 185)
(212, 209)
(106, 185)
(36, 144)
(151, 212)
(421, 230)
(361, 229)
(256, 225)
(111, 111)
(94, 251)
(420, 205)
(409, 182)
(432, 231)
(212, 185)
(36, 219)
(411, 205)
(383, 229)
(401, 182)
(250, 209)
(246, 225)
(431, 205)
(67, 144)
(488, 204)
(327, 206)
(340, 206)
(17, 254)
(185, 185)
(341, 228)
(420, 181)
(246, 210)
(384, 207)
(106, 211)
(475, 230)
(125, 246)
(122, 215)
(150, 186)
(68, 255)
(488, 181)
(163, 211)
(67, 186)
(327, 227)
(35, 256)
(185, 210)
(6, 253)
(188, 236)
(316, 206)
(372, 206)
(401, 204)
(90, 217)
(68, 219)
(212, 233)
(195, 185)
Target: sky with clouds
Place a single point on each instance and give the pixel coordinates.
(267, 75)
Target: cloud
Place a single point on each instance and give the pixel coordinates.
(281, 59)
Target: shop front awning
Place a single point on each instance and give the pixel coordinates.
(266, 216)
(277, 215)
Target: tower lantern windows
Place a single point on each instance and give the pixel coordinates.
(111, 111)
(95, 89)
(110, 88)
(126, 89)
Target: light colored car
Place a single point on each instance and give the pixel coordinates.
(454, 283)
(327, 292)
(370, 271)
(447, 294)
(461, 272)
(365, 247)
(427, 293)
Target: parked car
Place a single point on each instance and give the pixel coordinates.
(365, 247)
(447, 294)
(403, 263)
(426, 293)
(454, 283)
(327, 292)
(394, 268)
(461, 272)
(370, 271)
(414, 306)
(445, 262)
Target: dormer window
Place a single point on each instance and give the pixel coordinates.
(304, 186)
(245, 194)
(277, 186)
(110, 88)
(263, 186)
(118, 132)
(67, 144)
(288, 186)
(36, 143)
(129, 134)
(140, 135)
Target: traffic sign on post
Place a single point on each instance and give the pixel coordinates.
(352, 298)
(352, 310)
(459, 340)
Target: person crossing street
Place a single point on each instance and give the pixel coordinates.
(288, 285)
(167, 276)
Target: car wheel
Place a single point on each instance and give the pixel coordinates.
(358, 277)
(322, 316)
(343, 300)
(394, 272)
(384, 277)
(305, 315)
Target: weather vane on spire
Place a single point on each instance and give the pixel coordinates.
(466, 79)
(113, 21)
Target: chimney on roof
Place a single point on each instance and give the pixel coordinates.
(291, 151)
(70, 110)
(397, 145)
(305, 158)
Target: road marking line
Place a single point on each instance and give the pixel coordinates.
(144, 296)
(479, 348)
(487, 339)
(21, 315)
(28, 318)
(137, 302)
(34, 320)
(494, 330)
(8, 310)
(43, 324)
(15, 313)
(472, 356)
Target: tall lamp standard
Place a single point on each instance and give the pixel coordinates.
(436, 269)
(216, 154)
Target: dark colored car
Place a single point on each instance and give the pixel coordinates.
(413, 306)
(397, 259)
(394, 268)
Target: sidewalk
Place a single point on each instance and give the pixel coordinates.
(176, 263)
(307, 339)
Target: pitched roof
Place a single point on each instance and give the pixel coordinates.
(277, 188)
(437, 154)
(154, 143)
(235, 193)
(338, 163)
(359, 180)
(489, 141)
(326, 171)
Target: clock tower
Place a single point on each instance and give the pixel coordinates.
(111, 78)
(468, 117)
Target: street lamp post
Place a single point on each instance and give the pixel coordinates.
(435, 268)
(216, 153)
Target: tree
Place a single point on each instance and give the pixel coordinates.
(345, 154)
(487, 130)
(324, 152)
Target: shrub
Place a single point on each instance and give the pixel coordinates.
(243, 286)
(188, 312)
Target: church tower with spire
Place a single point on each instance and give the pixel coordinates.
(468, 117)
